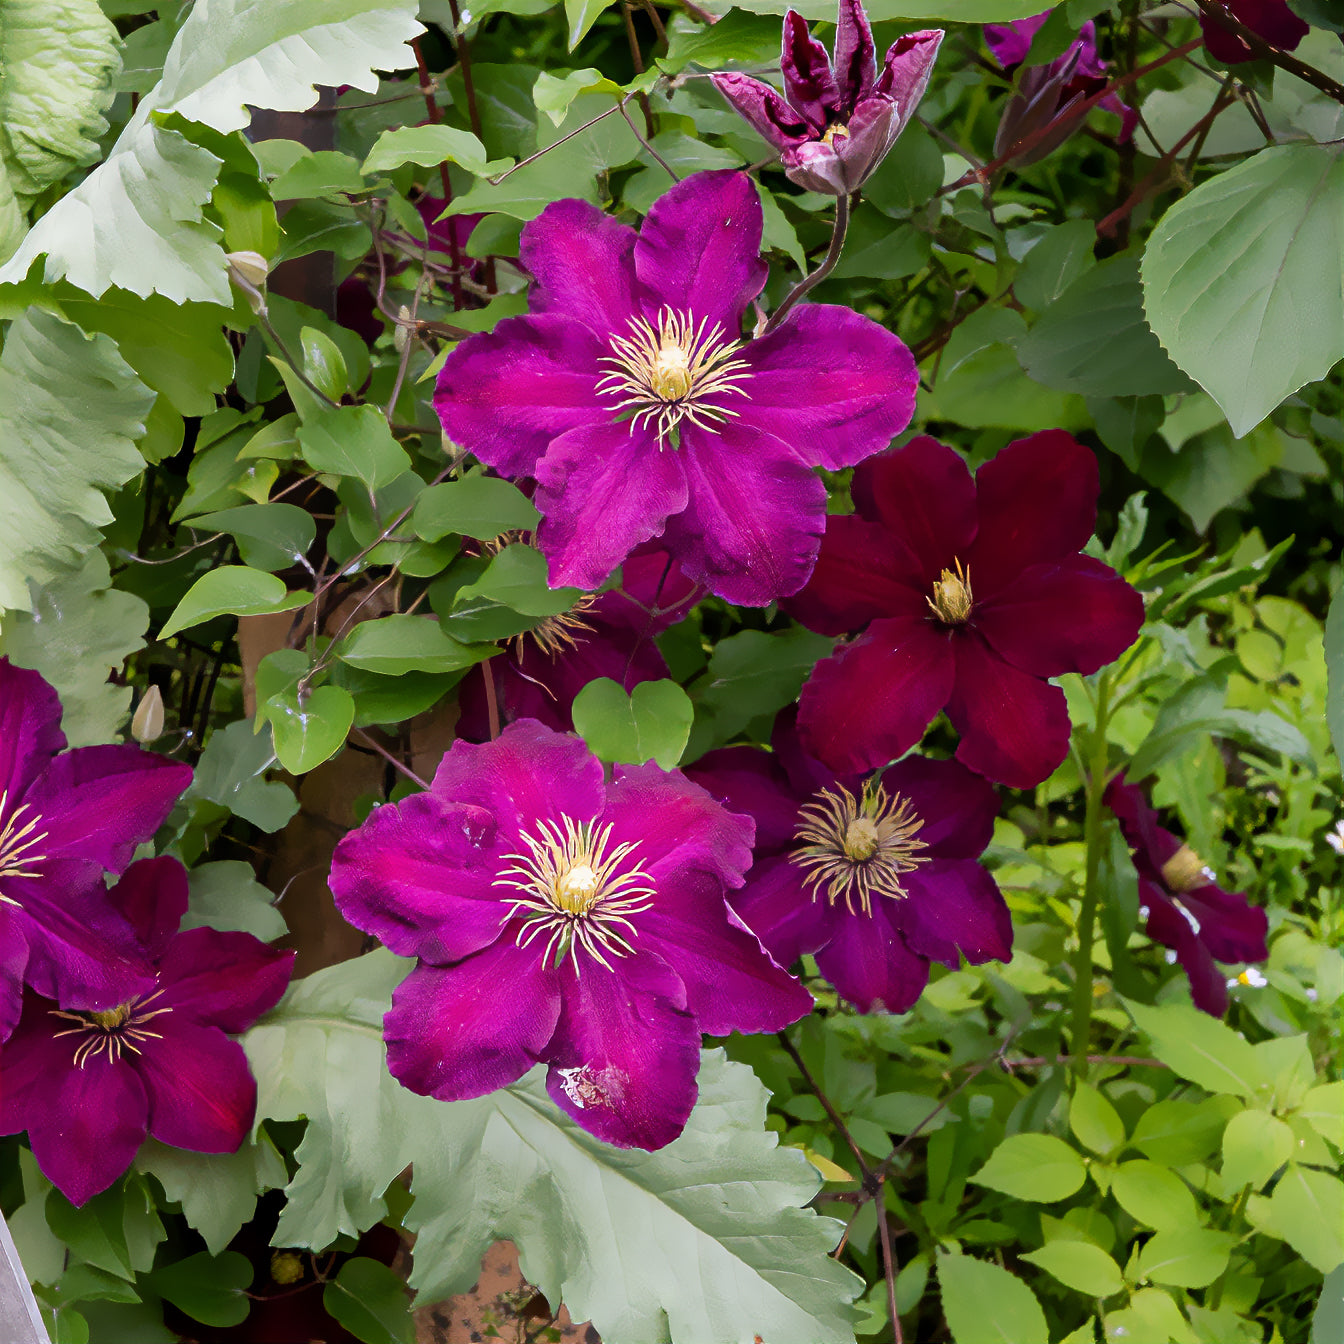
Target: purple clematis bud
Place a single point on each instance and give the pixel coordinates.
(88, 1086)
(840, 117)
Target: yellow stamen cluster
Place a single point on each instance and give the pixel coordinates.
(1185, 871)
(555, 634)
(952, 600)
(18, 839)
(113, 1030)
(835, 131)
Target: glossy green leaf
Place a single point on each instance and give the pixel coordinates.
(1035, 1167)
(210, 1289)
(395, 644)
(371, 1302)
(231, 590)
(1199, 1047)
(323, 362)
(353, 441)
(517, 578)
(753, 673)
(311, 730)
(269, 536)
(652, 723)
(580, 16)
(475, 506)
(985, 1304)
(1079, 1265)
(1307, 1211)
(1094, 1121)
(1154, 1195)
(429, 146)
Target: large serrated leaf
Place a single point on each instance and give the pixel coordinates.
(701, 1242)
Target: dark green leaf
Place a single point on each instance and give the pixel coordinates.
(652, 723)
(371, 1302)
(231, 590)
(210, 1289)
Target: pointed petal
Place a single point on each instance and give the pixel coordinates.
(1152, 844)
(1010, 42)
(461, 1031)
(1169, 926)
(202, 1095)
(956, 806)
(748, 781)
(906, 69)
(869, 963)
(225, 980)
(816, 166)
(762, 108)
(30, 730)
(808, 80)
(873, 129)
(753, 518)
(954, 909)
(603, 489)
(1014, 727)
(831, 383)
(781, 912)
(699, 250)
(625, 1053)
(870, 702)
(505, 394)
(1230, 926)
(855, 58)
(153, 896)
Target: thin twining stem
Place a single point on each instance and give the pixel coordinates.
(809, 282)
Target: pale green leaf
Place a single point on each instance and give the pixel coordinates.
(1334, 662)
(985, 1304)
(1094, 1121)
(1307, 1211)
(1036, 1167)
(1191, 1257)
(309, 731)
(226, 895)
(652, 723)
(1199, 1047)
(231, 590)
(392, 645)
(1255, 1145)
(1080, 1265)
(581, 15)
(353, 441)
(429, 146)
(1154, 1195)
(231, 774)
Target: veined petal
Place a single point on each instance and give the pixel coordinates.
(956, 806)
(906, 69)
(869, 964)
(30, 729)
(808, 79)
(202, 1095)
(855, 58)
(762, 109)
(748, 780)
(953, 909)
(153, 896)
(781, 912)
(222, 979)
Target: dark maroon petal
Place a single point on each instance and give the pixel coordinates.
(954, 909)
(419, 875)
(869, 964)
(603, 489)
(830, 383)
(806, 775)
(924, 495)
(808, 80)
(1153, 845)
(762, 108)
(748, 780)
(99, 803)
(861, 575)
(1037, 503)
(219, 979)
(870, 702)
(1014, 727)
(583, 266)
(1229, 925)
(505, 394)
(956, 806)
(906, 69)
(32, 1058)
(202, 1095)
(1073, 616)
(1169, 925)
(855, 59)
(1270, 19)
(30, 731)
(153, 896)
(654, 593)
(754, 515)
(699, 250)
(461, 1031)
(625, 1052)
(781, 912)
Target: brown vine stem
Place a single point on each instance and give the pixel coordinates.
(832, 1114)
(1318, 79)
(827, 266)
(637, 60)
(382, 751)
(436, 117)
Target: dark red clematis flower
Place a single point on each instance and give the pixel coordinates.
(1185, 909)
(970, 592)
(65, 818)
(88, 1086)
(1271, 20)
(876, 878)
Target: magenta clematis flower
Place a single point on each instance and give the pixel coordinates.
(88, 1086)
(1183, 906)
(876, 878)
(840, 119)
(970, 593)
(65, 817)
(1271, 20)
(564, 919)
(628, 396)
(1046, 94)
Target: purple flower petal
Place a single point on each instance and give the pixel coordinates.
(583, 266)
(957, 807)
(830, 383)
(1014, 727)
(870, 702)
(202, 1095)
(30, 729)
(461, 1031)
(153, 896)
(855, 58)
(625, 1053)
(781, 912)
(1269, 19)
(816, 165)
(749, 781)
(13, 963)
(1010, 42)
(1230, 926)
(869, 963)
(505, 394)
(1153, 844)
(1168, 925)
(906, 70)
(954, 909)
(808, 80)
(754, 516)
(226, 979)
(699, 250)
(762, 109)
(602, 490)
(873, 129)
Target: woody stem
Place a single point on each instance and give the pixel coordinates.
(827, 266)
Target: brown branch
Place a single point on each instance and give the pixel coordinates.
(841, 1128)
(1318, 79)
(382, 751)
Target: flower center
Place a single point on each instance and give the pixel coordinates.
(952, 600)
(18, 838)
(835, 131)
(675, 371)
(1185, 871)
(575, 892)
(554, 634)
(852, 847)
(112, 1030)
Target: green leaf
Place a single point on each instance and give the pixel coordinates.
(1242, 278)
(1191, 1257)
(703, 1241)
(476, 506)
(323, 363)
(1061, 255)
(1154, 1195)
(516, 578)
(210, 1289)
(1307, 1211)
(269, 536)
(231, 590)
(1080, 1265)
(395, 644)
(226, 895)
(985, 1304)
(429, 146)
(371, 1302)
(1094, 1121)
(1255, 1145)
(1323, 1109)
(1199, 1047)
(1334, 663)
(752, 674)
(149, 193)
(553, 94)
(353, 441)
(652, 723)
(1035, 1167)
(230, 775)
(1327, 1321)
(908, 177)
(310, 731)
(580, 15)
(60, 450)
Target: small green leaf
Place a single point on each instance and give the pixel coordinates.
(395, 644)
(476, 506)
(1080, 1265)
(1307, 1211)
(269, 536)
(581, 15)
(353, 441)
(516, 578)
(1327, 1321)
(985, 1304)
(210, 1289)
(553, 95)
(371, 1302)
(323, 362)
(231, 775)
(1334, 664)
(231, 590)
(1199, 1047)
(429, 146)
(1094, 1121)
(310, 731)
(1154, 1196)
(1323, 1109)
(1036, 1167)
(226, 895)
(1189, 1258)
(652, 723)
(1255, 1145)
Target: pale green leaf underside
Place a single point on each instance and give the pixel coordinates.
(703, 1241)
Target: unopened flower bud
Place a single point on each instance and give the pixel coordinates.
(147, 723)
(401, 336)
(248, 272)
(286, 1268)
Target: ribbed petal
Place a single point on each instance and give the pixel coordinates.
(873, 129)
(202, 1095)
(855, 58)
(699, 250)
(906, 70)
(870, 702)
(957, 807)
(869, 964)
(420, 876)
(505, 394)
(13, 962)
(830, 383)
(1073, 616)
(808, 80)
(748, 780)
(30, 730)
(782, 913)
(221, 979)
(461, 1031)
(99, 803)
(1037, 502)
(1168, 925)
(603, 489)
(762, 108)
(153, 896)
(625, 1053)
(954, 909)
(1229, 925)
(754, 516)
(1014, 727)
(583, 266)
